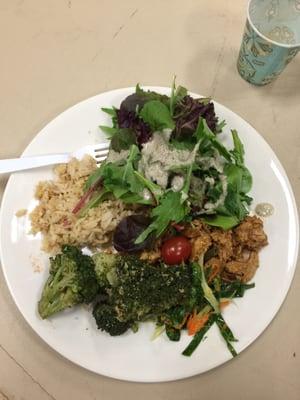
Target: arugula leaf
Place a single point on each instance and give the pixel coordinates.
(110, 111)
(172, 97)
(247, 199)
(154, 189)
(169, 210)
(220, 126)
(148, 95)
(182, 145)
(234, 175)
(112, 176)
(222, 221)
(94, 177)
(122, 139)
(132, 198)
(114, 181)
(238, 151)
(120, 180)
(129, 176)
(207, 137)
(109, 130)
(157, 115)
(180, 93)
(177, 94)
(95, 200)
(238, 154)
(238, 181)
(187, 183)
(234, 204)
(247, 180)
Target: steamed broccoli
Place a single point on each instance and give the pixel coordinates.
(72, 280)
(106, 320)
(144, 290)
(105, 268)
(137, 291)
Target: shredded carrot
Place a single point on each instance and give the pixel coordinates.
(196, 322)
(224, 303)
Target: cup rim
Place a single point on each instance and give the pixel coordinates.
(287, 46)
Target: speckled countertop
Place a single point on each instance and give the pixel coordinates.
(55, 53)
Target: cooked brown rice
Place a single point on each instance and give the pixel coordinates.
(53, 216)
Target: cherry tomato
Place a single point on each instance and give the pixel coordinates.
(176, 250)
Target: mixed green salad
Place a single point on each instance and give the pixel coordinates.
(167, 161)
(165, 153)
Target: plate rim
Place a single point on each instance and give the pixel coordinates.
(41, 133)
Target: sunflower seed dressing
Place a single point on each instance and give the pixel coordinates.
(146, 194)
(211, 162)
(209, 206)
(115, 156)
(264, 209)
(158, 158)
(177, 183)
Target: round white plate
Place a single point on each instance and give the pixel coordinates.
(132, 356)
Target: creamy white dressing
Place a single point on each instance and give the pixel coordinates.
(146, 194)
(115, 156)
(264, 209)
(209, 206)
(212, 162)
(210, 180)
(158, 158)
(177, 183)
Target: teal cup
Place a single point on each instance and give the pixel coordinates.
(271, 39)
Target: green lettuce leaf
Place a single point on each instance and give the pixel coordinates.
(157, 115)
(170, 209)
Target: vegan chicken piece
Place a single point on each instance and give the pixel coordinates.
(202, 237)
(250, 234)
(214, 267)
(241, 269)
(195, 229)
(224, 242)
(200, 245)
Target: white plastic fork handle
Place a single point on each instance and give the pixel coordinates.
(23, 163)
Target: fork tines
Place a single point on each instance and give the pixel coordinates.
(100, 154)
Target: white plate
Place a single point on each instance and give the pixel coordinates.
(133, 356)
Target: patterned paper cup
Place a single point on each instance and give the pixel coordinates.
(271, 39)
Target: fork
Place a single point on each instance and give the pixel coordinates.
(97, 151)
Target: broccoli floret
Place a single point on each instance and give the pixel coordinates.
(72, 280)
(106, 320)
(105, 268)
(145, 290)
